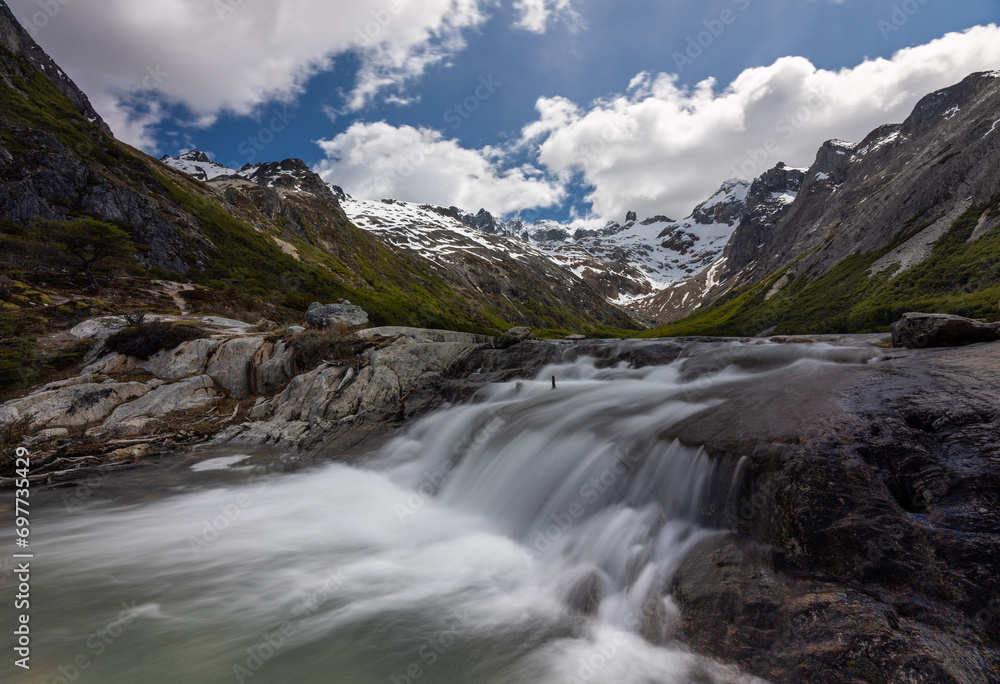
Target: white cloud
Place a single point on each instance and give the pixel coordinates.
(376, 160)
(535, 15)
(661, 148)
(234, 55)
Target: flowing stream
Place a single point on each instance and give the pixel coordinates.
(528, 536)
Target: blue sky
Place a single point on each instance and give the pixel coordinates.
(230, 77)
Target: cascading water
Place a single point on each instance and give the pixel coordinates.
(528, 536)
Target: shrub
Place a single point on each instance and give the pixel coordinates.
(145, 340)
(134, 317)
(337, 343)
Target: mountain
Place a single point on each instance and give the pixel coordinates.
(904, 220)
(624, 264)
(268, 240)
(632, 263)
(520, 283)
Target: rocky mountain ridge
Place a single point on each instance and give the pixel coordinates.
(624, 263)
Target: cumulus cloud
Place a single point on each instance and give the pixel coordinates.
(233, 55)
(375, 160)
(662, 148)
(535, 15)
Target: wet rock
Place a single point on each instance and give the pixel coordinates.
(321, 317)
(585, 595)
(918, 330)
(739, 605)
(868, 513)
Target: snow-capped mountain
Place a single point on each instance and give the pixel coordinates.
(507, 271)
(197, 164)
(625, 263)
(436, 233)
(640, 258)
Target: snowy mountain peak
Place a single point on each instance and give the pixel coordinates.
(292, 175)
(198, 164)
(727, 205)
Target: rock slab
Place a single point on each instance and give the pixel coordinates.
(920, 330)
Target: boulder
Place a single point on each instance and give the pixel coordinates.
(514, 336)
(321, 317)
(295, 330)
(265, 326)
(186, 359)
(919, 330)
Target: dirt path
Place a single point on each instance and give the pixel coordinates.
(173, 290)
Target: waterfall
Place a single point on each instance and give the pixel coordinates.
(527, 536)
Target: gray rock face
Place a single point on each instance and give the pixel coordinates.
(925, 167)
(137, 417)
(318, 403)
(867, 518)
(423, 335)
(321, 317)
(77, 405)
(918, 330)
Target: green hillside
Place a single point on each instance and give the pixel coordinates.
(961, 277)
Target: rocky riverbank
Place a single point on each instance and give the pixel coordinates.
(864, 513)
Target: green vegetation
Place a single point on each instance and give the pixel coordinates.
(961, 277)
(22, 362)
(88, 242)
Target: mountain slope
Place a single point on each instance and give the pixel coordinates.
(905, 220)
(520, 284)
(287, 246)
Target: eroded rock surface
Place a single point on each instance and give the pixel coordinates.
(868, 519)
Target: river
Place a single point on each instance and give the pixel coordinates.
(528, 536)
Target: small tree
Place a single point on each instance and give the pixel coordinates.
(90, 242)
